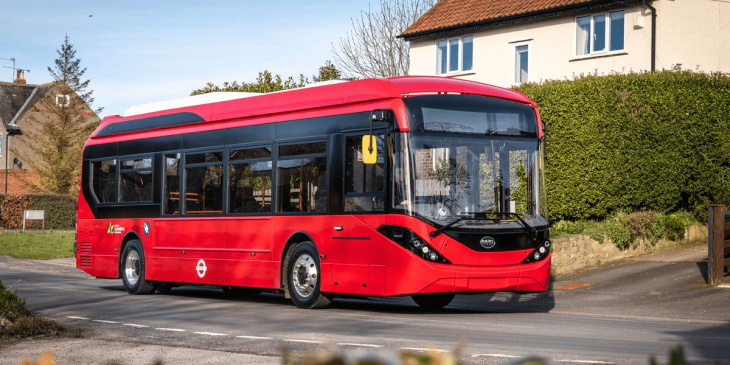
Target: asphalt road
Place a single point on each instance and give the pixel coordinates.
(622, 314)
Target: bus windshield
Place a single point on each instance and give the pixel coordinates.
(481, 161)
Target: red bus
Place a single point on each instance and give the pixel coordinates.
(420, 186)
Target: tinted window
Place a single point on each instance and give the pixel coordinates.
(364, 184)
(468, 114)
(302, 181)
(204, 183)
(172, 184)
(105, 180)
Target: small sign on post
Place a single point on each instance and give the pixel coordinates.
(35, 215)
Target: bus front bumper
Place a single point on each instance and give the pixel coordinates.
(531, 277)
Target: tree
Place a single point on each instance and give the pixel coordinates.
(266, 82)
(328, 72)
(371, 49)
(68, 70)
(55, 138)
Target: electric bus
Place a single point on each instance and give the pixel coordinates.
(420, 186)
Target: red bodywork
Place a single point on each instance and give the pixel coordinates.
(247, 251)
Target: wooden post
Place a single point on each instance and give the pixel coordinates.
(716, 243)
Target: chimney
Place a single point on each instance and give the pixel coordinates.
(21, 77)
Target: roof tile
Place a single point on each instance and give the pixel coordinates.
(451, 13)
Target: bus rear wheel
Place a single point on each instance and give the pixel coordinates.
(433, 301)
(303, 277)
(133, 270)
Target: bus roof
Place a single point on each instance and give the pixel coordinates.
(229, 106)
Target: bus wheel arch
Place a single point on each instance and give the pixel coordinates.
(301, 273)
(132, 267)
(130, 236)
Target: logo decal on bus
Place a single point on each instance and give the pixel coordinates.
(146, 228)
(487, 242)
(201, 268)
(114, 229)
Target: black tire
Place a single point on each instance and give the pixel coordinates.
(133, 269)
(303, 277)
(433, 301)
(240, 291)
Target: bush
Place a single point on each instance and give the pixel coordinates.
(626, 230)
(60, 210)
(639, 141)
(616, 232)
(17, 321)
(641, 225)
(672, 227)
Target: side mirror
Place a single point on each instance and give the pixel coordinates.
(369, 149)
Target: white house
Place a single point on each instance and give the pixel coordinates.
(507, 42)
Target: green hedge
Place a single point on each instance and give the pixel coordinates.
(658, 141)
(60, 210)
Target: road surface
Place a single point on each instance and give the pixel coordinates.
(622, 314)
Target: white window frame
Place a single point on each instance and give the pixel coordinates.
(515, 72)
(592, 34)
(65, 97)
(460, 60)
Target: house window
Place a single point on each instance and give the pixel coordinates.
(455, 55)
(62, 100)
(599, 33)
(521, 63)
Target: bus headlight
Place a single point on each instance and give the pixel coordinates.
(407, 239)
(540, 253)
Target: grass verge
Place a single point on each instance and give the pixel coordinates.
(16, 321)
(37, 246)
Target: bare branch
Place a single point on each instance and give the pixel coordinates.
(371, 48)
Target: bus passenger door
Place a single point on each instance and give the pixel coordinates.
(359, 262)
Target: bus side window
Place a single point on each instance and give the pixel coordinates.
(135, 180)
(172, 184)
(104, 178)
(204, 183)
(249, 180)
(364, 184)
(302, 178)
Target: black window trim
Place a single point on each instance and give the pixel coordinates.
(385, 133)
(272, 177)
(275, 168)
(117, 178)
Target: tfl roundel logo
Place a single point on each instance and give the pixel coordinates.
(487, 242)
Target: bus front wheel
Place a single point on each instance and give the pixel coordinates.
(303, 276)
(133, 275)
(433, 301)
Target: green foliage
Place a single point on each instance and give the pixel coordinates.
(68, 70)
(618, 233)
(627, 230)
(640, 141)
(56, 139)
(37, 246)
(17, 321)
(60, 211)
(671, 227)
(266, 82)
(641, 225)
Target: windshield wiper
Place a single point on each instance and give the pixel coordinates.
(442, 229)
(531, 232)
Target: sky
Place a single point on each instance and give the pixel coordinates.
(138, 52)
